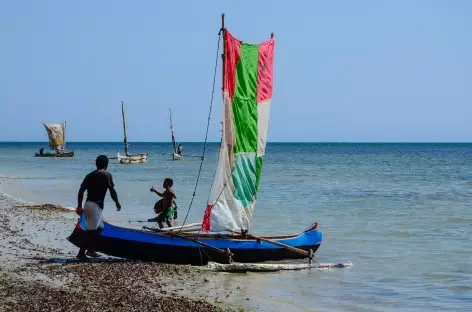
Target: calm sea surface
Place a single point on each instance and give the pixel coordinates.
(401, 213)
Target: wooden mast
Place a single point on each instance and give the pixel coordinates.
(172, 131)
(223, 30)
(124, 128)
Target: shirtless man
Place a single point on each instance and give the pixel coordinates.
(96, 183)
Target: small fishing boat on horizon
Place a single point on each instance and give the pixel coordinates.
(177, 154)
(127, 158)
(57, 141)
(223, 235)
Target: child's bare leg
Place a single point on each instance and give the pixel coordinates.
(160, 224)
(168, 222)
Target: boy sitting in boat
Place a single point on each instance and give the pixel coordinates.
(166, 208)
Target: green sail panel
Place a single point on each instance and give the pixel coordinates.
(245, 178)
(247, 95)
(245, 101)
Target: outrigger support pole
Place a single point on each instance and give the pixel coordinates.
(229, 256)
(294, 249)
(311, 256)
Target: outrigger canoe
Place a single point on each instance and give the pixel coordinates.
(65, 154)
(190, 248)
(57, 140)
(127, 158)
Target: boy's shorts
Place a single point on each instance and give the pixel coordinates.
(167, 213)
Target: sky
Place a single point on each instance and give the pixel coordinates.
(344, 71)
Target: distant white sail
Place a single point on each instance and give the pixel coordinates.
(56, 134)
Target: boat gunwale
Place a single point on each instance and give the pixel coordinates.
(51, 155)
(134, 155)
(213, 236)
(145, 154)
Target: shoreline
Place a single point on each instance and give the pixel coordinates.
(38, 271)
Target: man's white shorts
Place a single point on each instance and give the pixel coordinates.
(93, 216)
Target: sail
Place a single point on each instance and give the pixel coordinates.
(56, 134)
(247, 94)
(172, 132)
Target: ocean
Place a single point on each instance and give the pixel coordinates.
(401, 213)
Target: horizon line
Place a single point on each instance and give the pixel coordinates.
(277, 142)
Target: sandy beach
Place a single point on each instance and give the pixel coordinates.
(38, 272)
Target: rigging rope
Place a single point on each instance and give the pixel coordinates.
(206, 134)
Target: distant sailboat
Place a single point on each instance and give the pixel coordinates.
(175, 154)
(129, 159)
(57, 141)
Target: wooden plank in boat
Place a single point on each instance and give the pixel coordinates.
(178, 227)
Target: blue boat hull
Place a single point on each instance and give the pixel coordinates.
(165, 248)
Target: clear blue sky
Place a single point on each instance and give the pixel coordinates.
(344, 70)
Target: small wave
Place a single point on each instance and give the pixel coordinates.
(459, 220)
(362, 212)
(20, 202)
(349, 192)
(27, 178)
(463, 252)
(357, 307)
(460, 288)
(397, 234)
(289, 302)
(14, 199)
(146, 179)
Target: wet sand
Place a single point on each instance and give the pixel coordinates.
(38, 272)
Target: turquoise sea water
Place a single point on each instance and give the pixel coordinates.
(401, 213)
